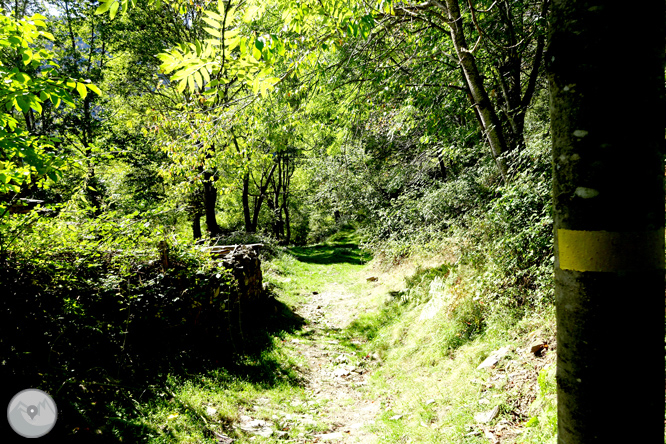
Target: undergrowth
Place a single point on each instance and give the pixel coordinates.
(431, 336)
(104, 312)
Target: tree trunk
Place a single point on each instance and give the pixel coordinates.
(287, 225)
(278, 224)
(285, 201)
(442, 166)
(249, 227)
(210, 199)
(608, 198)
(196, 226)
(486, 112)
(263, 186)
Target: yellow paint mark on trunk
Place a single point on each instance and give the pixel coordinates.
(611, 251)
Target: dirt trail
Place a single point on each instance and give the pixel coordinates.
(335, 376)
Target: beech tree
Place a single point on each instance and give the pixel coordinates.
(607, 110)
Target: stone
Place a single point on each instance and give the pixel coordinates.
(486, 417)
(494, 358)
(537, 346)
(266, 432)
(223, 439)
(339, 372)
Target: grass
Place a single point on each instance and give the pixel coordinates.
(431, 351)
(301, 271)
(263, 379)
(423, 323)
(193, 408)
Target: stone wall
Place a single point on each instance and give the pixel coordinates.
(245, 266)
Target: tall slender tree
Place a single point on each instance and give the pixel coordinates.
(606, 73)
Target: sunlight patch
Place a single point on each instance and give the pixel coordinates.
(439, 298)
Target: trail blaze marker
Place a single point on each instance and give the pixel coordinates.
(611, 251)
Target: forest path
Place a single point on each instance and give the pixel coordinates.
(333, 284)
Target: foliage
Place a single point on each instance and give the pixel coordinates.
(102, 284)
(542, 427)
(346, 124)
(30, 87)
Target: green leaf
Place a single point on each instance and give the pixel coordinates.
(249, 14)
(208, 51)
(114, 10)
(22, 105)
(213, 32)
(232, 43)
(214, 15)
(214, 23)
(205, 75)
(27, 56)
(81, 88)
(21, 77)
(181, 86)
(165, 57)
(94, 89)
(198, 79)
(232, 33)
(103, 7)
(35, 105)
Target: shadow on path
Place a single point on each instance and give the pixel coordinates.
(331, 254)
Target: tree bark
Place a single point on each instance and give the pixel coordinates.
(287, 224)
(608, 201)
(210, 200)
(486, 112)
(249, 227)
(285, 201)
(263, 187)
(196, 226)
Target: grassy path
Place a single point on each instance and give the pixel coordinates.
(329, 286)
(305, 382)
(315, 378)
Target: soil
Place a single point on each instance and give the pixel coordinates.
(337, 377)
